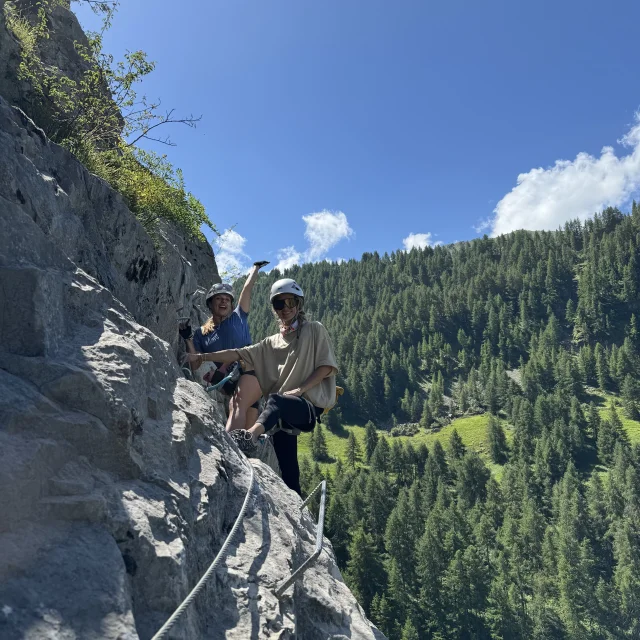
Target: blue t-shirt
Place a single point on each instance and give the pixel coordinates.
(231, 333)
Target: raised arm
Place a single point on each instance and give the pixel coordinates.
(245, 296)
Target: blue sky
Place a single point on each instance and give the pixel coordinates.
(334, 127)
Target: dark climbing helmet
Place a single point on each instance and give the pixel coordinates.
(218, 289)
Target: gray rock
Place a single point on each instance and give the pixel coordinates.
(89, 223)
(11, 88)
(118, 484)
(60, 51)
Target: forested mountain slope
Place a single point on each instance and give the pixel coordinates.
(539, 330)
(462, 315)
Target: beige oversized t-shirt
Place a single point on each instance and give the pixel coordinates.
(283, 363)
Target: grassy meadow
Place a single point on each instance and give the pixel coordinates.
(472, 430)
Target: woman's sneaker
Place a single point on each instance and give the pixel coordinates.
(244, 441)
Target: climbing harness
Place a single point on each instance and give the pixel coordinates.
(175, 616)
(310, 561)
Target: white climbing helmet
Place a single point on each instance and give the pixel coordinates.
(286, 285)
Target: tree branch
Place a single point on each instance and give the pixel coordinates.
(167, 119)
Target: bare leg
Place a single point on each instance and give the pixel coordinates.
(247, 393)
(252, 415)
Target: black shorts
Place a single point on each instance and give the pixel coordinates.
(230, 388)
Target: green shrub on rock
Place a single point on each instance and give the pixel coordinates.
(99, 117)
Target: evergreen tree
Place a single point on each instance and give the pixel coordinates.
(409, 631)
(436, 395)
(397, 461)
(631, 397)
(370, 440)
(339, 523)
(353, 450)
(436, 472)
(575, 576)
(365, 573)
(472, 478)
(305, 474)
(602, 367)
(594, 420)
(496, 440)
(319, 450)
(633, 334)
(456, 446)
(382, 614)
(546, 623)
(609, 433)
(432, 562)
(401, 536)
(425, 416)
(380, 457)
(422, 453)
(465, 584)
(380, 498)
(627, 576)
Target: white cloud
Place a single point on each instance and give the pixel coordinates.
(324, 230)
(231, 259)
(547, 198)
(287, 258)
(229, 266)
(232, 241)
(418, 241)
(483, 225)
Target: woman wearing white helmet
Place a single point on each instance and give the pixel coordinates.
(296, 369)
(227, 328)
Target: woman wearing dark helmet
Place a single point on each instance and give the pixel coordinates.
(296, 369)
(227, 328)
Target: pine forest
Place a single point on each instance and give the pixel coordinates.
(484, 462)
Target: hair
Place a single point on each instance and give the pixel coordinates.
(208, 326)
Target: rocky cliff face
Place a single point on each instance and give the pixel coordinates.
(59, 51)
(118, 484)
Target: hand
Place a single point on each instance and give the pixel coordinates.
(294, 392)
(197, 358)
(185, 330)
(260, 263)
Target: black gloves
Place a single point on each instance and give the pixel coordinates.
(185, 331)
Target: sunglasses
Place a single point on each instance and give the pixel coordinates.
(290, 303)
